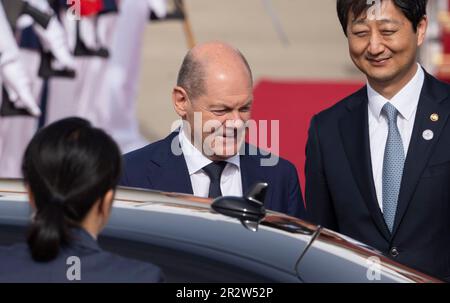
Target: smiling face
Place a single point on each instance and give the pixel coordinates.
(385, 48)
(224, 106)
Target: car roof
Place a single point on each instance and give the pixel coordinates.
(282, 243)
(189, 223)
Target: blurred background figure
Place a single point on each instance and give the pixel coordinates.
(16, 84)
(433, 47)
(44, 53)
(107, 42)
(82, 59)
(441, 55)
(116, 95)
(18, 97)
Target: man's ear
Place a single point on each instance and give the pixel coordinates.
(422, 30)
(106, 203)
(180, 101)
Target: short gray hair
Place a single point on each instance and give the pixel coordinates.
(191, 76)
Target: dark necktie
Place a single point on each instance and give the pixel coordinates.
(214, 172)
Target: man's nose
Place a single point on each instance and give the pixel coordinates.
(234, 115)
(376, 44)
(234, 120)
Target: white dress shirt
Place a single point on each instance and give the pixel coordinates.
(230, 182)
(405, 101)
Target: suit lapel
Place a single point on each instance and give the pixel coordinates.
(171, 172)
(249, 173)
(420, 150)
(354, 129)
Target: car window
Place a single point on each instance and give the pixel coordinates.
(181, 266)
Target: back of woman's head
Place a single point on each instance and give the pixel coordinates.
(68, 166)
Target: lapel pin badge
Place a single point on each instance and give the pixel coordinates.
(428, 134)
(434, 117)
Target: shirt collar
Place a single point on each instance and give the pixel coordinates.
(195, 160)
(405, 101)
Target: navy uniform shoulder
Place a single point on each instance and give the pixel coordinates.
(17, 266)
(127, 270)
(101, 267)
(12, 252)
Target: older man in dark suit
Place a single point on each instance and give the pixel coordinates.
(207, 156)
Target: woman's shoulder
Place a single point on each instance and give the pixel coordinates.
(14, 252)
(111, 267)
(93, 266)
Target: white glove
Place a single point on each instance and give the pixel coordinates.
(159, 7)
(53, 39)
(18, 86)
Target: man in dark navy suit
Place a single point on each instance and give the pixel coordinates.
(378, 162)
(207, 156)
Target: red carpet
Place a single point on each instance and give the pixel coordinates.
(293, 104)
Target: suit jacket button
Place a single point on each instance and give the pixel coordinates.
(394, 252)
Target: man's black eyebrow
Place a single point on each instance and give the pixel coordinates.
(364, 21)
(359, 21)
(389, 21)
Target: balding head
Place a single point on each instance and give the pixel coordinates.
(210, 62)
(214, 96)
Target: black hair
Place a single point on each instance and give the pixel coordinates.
(414, 10)
(68, 166)
(192, 75)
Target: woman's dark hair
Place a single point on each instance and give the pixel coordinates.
(68, 166)
(414, 10)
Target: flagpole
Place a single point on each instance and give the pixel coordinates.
(276, 22)
(190, 39)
